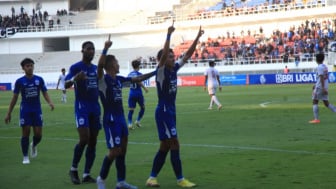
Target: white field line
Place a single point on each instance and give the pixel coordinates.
(264, 104)
(246, 148)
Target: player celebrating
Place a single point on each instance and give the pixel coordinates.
(114, 121)
(165, 113)
(83, 75)
(320, 89)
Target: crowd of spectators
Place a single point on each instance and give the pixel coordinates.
(38, 19)
(267, 6)
(298, 43)
(227, 8)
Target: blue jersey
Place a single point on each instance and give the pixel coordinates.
(166, 85)
(114, 122)
(135, 88)
(110, 91)
(30, 89)
(87, 108)
(30, 110)
(85, 90)
(165, 113)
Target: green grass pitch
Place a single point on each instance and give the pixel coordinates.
(261, 139)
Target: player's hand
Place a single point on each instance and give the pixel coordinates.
(220, 88)
(8, 118)
(80, 76)
(108, 43)
(171, 29)
(200, 32)
(52, 107)
(324, 91)
(204, 88)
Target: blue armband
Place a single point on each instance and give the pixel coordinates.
(168, 37)
(104, 52)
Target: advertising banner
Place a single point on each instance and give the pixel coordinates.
(290, 78)
(5, 86)
(233, 79)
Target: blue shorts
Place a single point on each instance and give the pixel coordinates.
(166, 124)
(115, 129)
(133, 100)
(31, 118)
(88, 116)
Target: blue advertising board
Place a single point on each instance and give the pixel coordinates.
(5, 86)
(233, 79)
(290, 78)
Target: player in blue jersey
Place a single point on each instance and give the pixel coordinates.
(114, 121)
(29, 86)
(136, 96)
(165, 113)
(83, 75)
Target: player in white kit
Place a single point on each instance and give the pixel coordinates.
(60, 85)
(320, 89)
(213, 82)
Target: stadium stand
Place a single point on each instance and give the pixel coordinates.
(243, 26)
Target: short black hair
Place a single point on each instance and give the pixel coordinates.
(109, 61)
(319, 57)
(136, 63)
(26, 61)
(63, 69)
(159, 54)
(211, 63)
(86, 43)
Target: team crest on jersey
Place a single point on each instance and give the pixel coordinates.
(173, 131)
(37, 82)
(81, 121)
(117, 140)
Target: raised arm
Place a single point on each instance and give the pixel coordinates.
(102, 58)
(143, 77)
(166, 46)
(192, 48)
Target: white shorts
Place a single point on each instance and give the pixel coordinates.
(212, 90)
(318, 94)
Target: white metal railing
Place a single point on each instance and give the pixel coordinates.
(180, 17)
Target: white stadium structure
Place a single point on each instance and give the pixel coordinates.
(138, 28)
